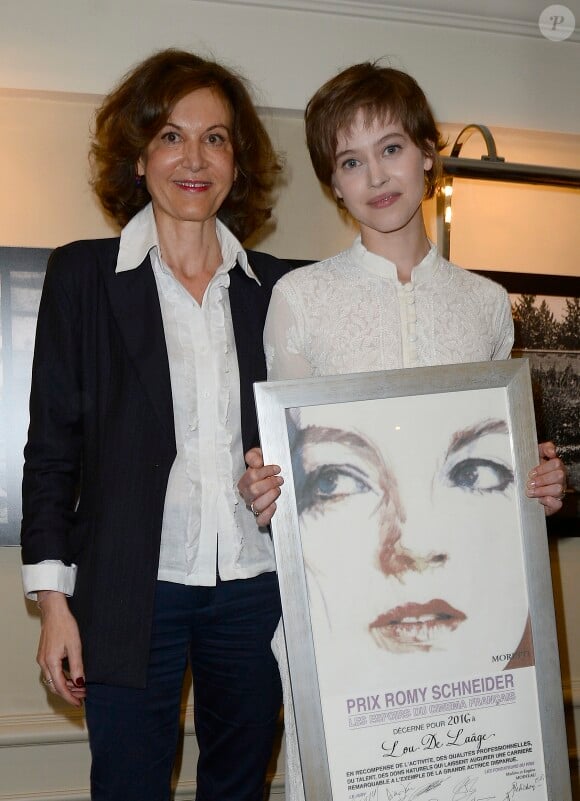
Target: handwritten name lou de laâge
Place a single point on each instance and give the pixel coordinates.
(432, 742)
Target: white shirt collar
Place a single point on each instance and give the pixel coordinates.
(139, 237)
(382, 267)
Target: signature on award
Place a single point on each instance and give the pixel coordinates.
(433, 790)
(466, 790)
(523, 786)
(408, 794)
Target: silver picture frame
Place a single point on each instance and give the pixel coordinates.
(545, 773)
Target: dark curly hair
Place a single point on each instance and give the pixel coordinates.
(136, 110)
(381, 92)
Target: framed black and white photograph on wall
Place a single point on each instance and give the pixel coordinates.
(415, 584)
(21, 277)
(546, 312)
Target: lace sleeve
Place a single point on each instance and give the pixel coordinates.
(504, 325)
(284, 340)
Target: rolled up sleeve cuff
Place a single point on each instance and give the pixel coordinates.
(48, 575)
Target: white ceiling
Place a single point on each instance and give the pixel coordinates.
(498, 16)
(499, 69)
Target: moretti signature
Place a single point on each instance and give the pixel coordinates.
(431, 742)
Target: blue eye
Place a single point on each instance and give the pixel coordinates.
(480, 475)
(336, 481)
(331, 483)
(390, 150)
(349, 164)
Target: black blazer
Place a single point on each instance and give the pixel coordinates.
(101, 441)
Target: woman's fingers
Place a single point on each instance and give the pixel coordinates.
(260, 485)
(548, 480)
(59, 641)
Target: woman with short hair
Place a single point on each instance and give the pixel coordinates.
(390, 300)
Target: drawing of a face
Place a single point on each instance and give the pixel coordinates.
(409, 531)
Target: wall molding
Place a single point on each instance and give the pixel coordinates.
(42, 732)
(51, 95)
(415, 15)
(54, 728)
(183, 792)
(50, 728)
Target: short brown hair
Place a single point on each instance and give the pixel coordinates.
(381, 92)
(136, 110)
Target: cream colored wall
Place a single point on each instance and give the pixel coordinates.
(510, 76)
(502, 80)
(45, 198)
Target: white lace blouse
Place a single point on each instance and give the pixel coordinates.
(351, 314)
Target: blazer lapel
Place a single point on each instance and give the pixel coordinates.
(135, 306)
(248, 303)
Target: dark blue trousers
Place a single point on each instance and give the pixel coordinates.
(225, 632)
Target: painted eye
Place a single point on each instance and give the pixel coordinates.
(480, 475)
(332, 483)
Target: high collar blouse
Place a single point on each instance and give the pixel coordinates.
(350, 313)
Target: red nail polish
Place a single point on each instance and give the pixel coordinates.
(80, 682)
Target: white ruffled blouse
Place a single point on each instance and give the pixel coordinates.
(350, 313)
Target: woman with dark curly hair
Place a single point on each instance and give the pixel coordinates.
(135, 540)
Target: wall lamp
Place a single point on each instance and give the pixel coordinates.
(490, 167)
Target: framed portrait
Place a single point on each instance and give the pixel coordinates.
(21, 277)
(415, 584)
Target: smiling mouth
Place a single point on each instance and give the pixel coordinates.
(193, 186)
(384, 200)
(415, 626)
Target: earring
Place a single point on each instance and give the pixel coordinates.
(139, 179)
